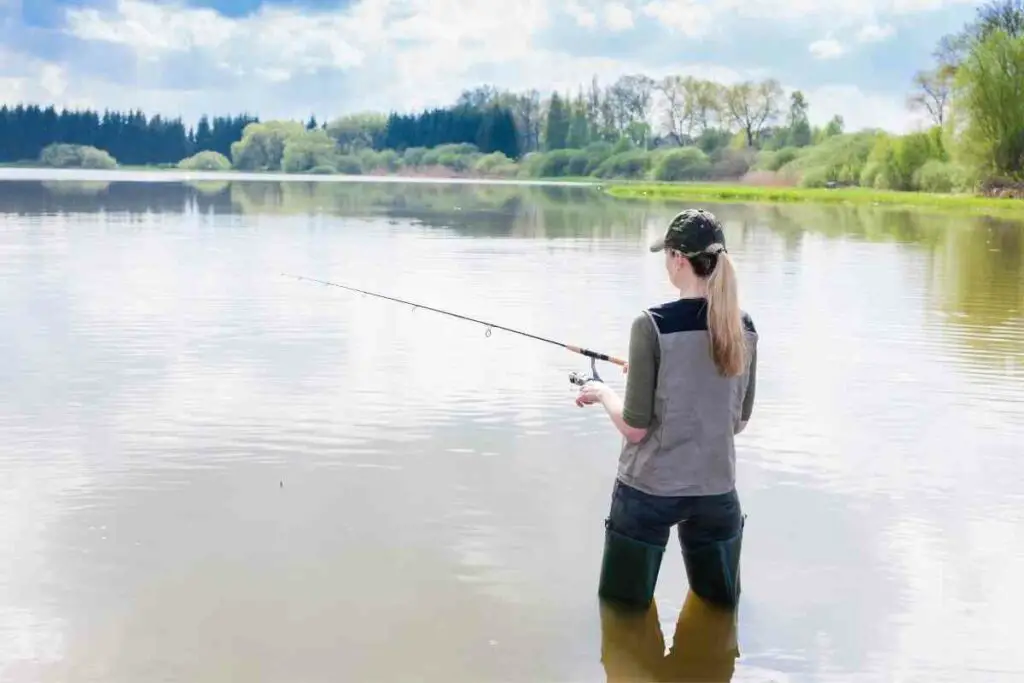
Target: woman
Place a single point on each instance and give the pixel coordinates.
(690, 388)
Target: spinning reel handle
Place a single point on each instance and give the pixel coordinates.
(579, 379)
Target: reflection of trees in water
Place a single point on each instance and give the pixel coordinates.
(77, 187)
(979, 286)
(466, 209)
(42, 197)
(209, 188)
(866, 223)
(976, 263)
(976, 266)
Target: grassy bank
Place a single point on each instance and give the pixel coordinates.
(724, 192)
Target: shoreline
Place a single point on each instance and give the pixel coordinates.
(173, 175)
(850, 196)
(728, 192)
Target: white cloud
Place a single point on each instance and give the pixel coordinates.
(700, 17)
(583, 16)
(618, 17)
(153, 29)
(399, 53)
(860, 109)
(826, 48)
(691, 18)
(872, 33)
(53, 80)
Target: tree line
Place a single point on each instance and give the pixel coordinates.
(689, 111)
(673, 111)
(131, 137)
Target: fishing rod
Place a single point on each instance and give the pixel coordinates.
(574, 377)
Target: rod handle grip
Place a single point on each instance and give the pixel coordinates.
(596, 355)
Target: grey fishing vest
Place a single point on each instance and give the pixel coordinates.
(688, 449)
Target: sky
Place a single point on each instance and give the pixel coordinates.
(296, 58)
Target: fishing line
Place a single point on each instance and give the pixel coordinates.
(575, 378)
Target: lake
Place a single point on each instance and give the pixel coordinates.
(212, 473)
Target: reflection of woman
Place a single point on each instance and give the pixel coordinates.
(703, 649)
(690, 389)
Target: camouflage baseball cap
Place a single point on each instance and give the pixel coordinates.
(691, 232)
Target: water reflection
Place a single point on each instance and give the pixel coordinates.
(194, 442)
(704, 647)
(484, 210)
(973, 270)
(973, 274)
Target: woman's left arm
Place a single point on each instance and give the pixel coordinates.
(613, 405)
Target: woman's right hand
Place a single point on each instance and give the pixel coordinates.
(590, 393)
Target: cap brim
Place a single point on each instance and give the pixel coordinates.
(658, 245)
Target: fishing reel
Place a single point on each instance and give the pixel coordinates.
(579, 379)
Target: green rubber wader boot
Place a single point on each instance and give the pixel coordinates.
(629, 569)
(713, 570)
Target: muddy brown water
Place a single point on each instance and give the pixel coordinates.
(212, 473)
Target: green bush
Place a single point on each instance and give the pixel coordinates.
(815, 177)
(463, 148)
(596, 153)
(686, 163)
(389, 160)
(206, 160)
(839, 158)
(622, 146)
(895, 160)
(560, 163)
(431, 157)
(879, 169)
(383, 160)
(348, 164)
(488, 163)
(263, 145)
(775, 160)
(60, 155)
(458, 157)
(323, 170)
(307, 150)
(563, 162)
(941, 176)
(529, 165)
(711, 140)
(910, 152)
(579, 163)
(731, 163)
(455, 161)
(633, 164)
(369, 159)
(509, 170)
(874, 175)
(413, 156)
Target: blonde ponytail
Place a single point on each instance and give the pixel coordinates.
(725, 326)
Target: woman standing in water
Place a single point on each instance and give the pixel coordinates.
(689, 390)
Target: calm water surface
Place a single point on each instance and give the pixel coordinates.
(213, 473)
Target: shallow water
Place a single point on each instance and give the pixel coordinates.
(210, 472)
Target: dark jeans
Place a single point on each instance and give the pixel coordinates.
(700, 519)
